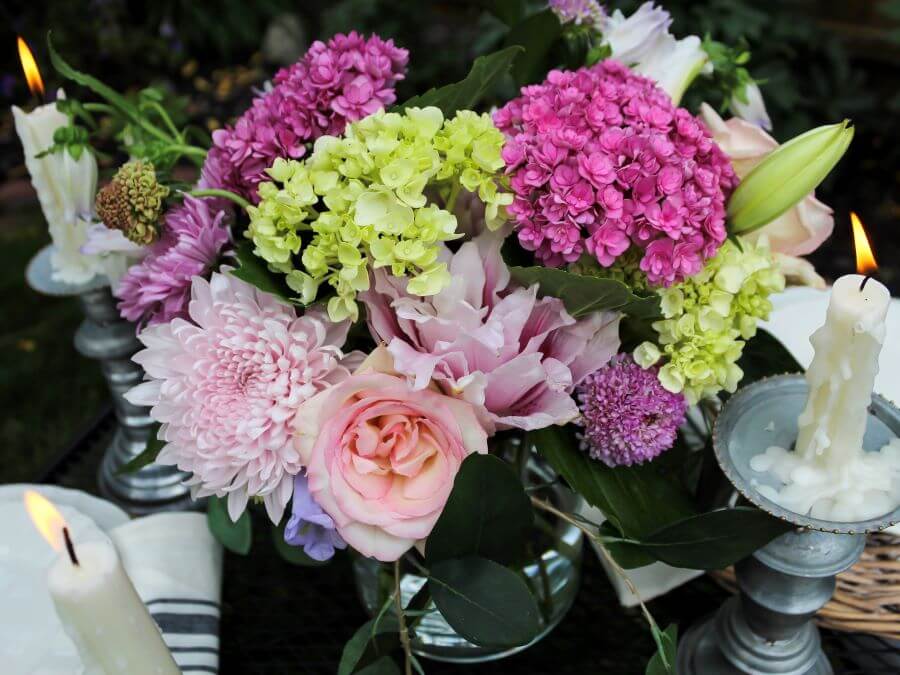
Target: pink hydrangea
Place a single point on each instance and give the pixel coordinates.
(600, 161)
(226, 385)
(342, 81)
(515, 357)
(628, 417)
(157, 289)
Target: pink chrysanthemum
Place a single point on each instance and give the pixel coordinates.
(626, 414)
(602, 161)
(226, 386)
(342, 81)
(158, 288)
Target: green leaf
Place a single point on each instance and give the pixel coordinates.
(236, 537)
(764, 355)
(486, 603)
(255, 272)
(293, 554)
(584, 294)
(537, 34)
(487, 514)
(372, 642)
(383, 666)
(628, 555)
(466, 93)
(92, 83)
(147, 457)
(714, 539)
(663, 661)
(637, 500)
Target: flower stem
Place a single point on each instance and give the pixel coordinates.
(401, 619)
(225, 194)
(621, 573)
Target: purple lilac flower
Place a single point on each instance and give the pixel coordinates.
(342, 81)
(309, 526)
(158, 289)
(601, 161)
(626, 414)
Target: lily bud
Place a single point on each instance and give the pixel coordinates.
(786, 176)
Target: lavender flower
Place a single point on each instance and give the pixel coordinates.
(627, 415)
(309, 526)
(579, 12)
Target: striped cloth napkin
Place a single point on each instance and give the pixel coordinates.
(176, 567)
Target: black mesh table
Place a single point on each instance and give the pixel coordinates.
(279, 619)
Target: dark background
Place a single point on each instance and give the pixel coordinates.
(820, 62)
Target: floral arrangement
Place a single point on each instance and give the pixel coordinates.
(360, 303)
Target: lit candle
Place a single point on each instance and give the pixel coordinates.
(842, 374)
(97, 604)
(65, 186)
(829, 475)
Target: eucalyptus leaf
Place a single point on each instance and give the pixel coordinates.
(234, 536)
(255, 272)
(148, 456)
(628, 555)
(372, 641)
(714, 539)
(537, 34)
(637, 500)
(295, 555)
(466, 93)
(486, 603)
(487, 514)
(663, 661)
(585, 294)
(383, 666)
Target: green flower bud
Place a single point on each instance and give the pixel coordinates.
(133, 202)
(787, 175)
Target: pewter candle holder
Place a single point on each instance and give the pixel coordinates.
(768, 627)
(104, 337)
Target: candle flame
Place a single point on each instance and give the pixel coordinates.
(46, 518)
(29, 66)
(865, 259)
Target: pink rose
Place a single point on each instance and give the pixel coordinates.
(798, 232)
(381, 458)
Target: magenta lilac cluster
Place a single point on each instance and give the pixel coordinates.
(340, 81)
(158, 289)
(626, 414)
(600, 160)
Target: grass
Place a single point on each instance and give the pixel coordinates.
(48, 392)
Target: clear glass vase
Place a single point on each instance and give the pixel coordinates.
(553, 578)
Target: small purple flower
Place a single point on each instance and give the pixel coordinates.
(309, 526)
(627, 416)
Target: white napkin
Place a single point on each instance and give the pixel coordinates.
(175, 565)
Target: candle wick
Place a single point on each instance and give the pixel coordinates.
(70, 547)
(864, 282)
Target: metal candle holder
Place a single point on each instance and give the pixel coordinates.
(104, 337)
(768, 627)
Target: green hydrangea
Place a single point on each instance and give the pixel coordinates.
(381, 195)
(708, 318)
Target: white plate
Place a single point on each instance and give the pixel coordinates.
(32, 640)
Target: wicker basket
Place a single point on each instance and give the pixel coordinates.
(867, 597)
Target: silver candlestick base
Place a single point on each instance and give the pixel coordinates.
(104, 337)
(768, 627)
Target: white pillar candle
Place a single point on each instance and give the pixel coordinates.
(102, 613)
(65, 188)
(829, 475)
(842, 374)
